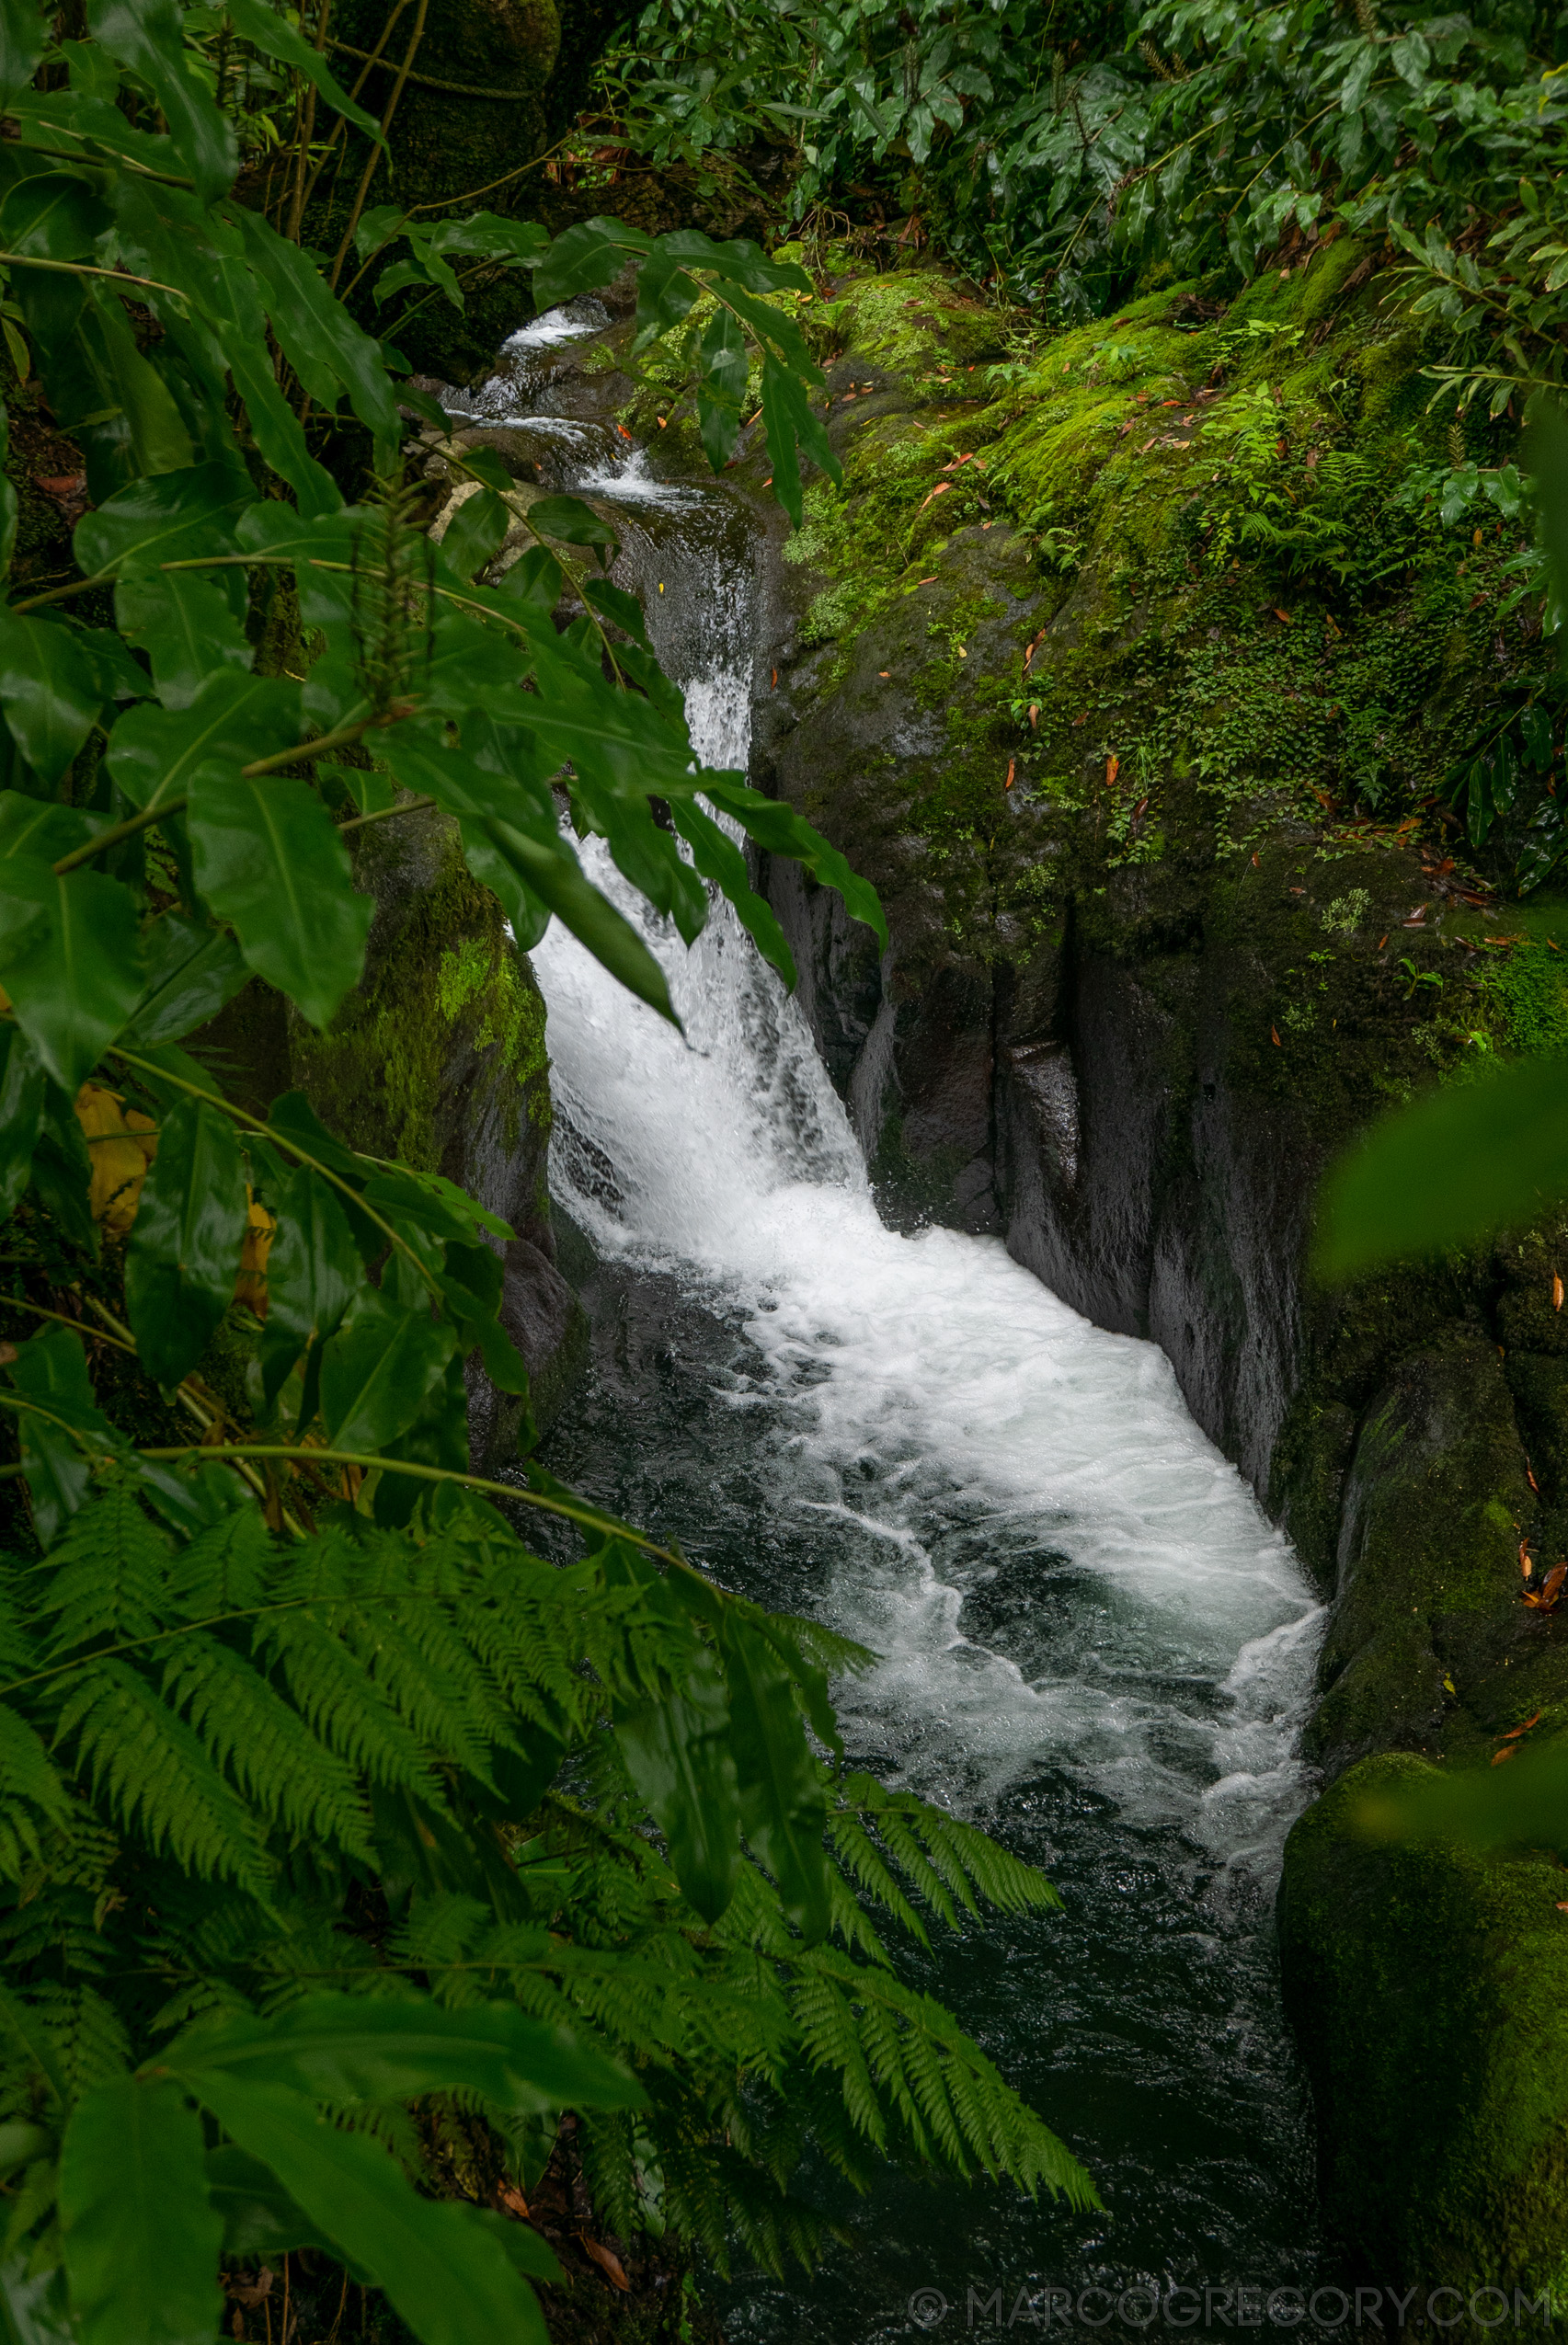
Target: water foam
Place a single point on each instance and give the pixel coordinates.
(930, 1392)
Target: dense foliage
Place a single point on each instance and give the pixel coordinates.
(322, 1796)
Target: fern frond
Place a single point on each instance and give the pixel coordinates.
(266, 1747)
(343, 1706)
(831, 2039)
(863, 1860)
(225, 1568)
(111, 1577)
(32, 1793)
(155, 1776)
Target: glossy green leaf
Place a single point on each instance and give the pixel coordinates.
(722, 388)
(584, 257)
(571, 522)
(786, 418)
(64, 1434)
(613, 602)
(192, 969)
(55, 215)
(314, 1272)
(378, 1372)
(71, 961)
(444, 2274)
(784, 832)
(474, 1315)
(1548, 458)
(269, 860)
(379, 2048)
(183, 1258)
(782, 1807)
(185, 623)
(23, 33)
(717, 857)
(677, 1749)
(329, 353)
(475, 533)
(157, 754)
(259, 2219)
(1460, 1164)
(175, 517)
(275, 36)
(147, 35)
(141, 2239)
(49, 691)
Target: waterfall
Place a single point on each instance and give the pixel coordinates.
(1090, 1637)
(911, 1383)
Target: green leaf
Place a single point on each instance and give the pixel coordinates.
(782, 1807)
(274, 36)
(445, 2275)
(192, 969)
(380, 2049)
(786, 418)
(259, 2219)
(587, 256)
(188, 627)
(69, 959)
(174, 517)
(141, 2239)
(717, 857)
(377, 1374)
(269, 858)
(329, 353)
(782, 832)
(571, 522)
(23, 34)
(677, 1750)
(614, 603)
(475, 533)
(53, 216)
(155, 754)
(1461, 1164)
(147, 35)
(314, 1272)
(722, 354)
(49, 691)
(183, 1257)
(51, 1371)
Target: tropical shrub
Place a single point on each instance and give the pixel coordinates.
(339, 1833)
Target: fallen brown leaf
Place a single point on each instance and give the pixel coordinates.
(1515, 1732)
(609, 2262)
(511, 2197)
(1508, 1751)
(1274, 1037)
(1011, 770)
(1556, 1291)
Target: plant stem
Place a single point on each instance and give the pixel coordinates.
(585, 1515)
(376, 152)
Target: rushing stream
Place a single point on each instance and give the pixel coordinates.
(1091, 1639)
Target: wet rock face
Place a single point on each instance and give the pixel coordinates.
(1127, 1024)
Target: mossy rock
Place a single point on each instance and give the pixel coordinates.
(1420, 1980)
(438, 1058)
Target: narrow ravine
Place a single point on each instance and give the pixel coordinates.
(1091, 1639)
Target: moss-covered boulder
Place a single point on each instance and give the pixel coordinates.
(1422, 1984)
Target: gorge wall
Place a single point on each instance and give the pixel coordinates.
(1085, 671)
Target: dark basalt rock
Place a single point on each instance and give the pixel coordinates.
(1134, 1056)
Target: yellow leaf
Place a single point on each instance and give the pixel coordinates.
(119, 1152)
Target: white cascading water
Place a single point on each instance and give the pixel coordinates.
(916, 1383)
